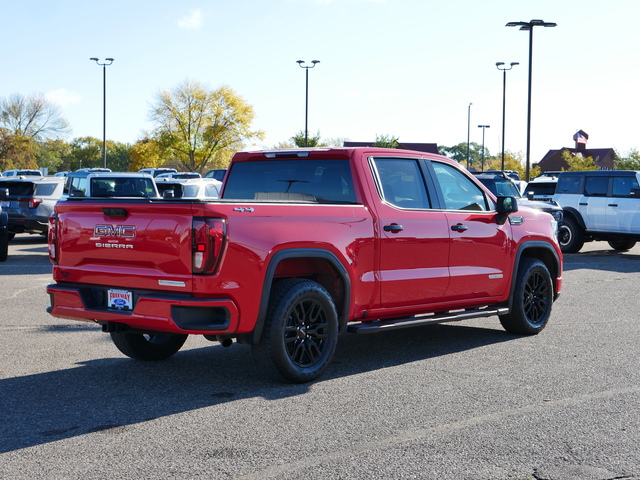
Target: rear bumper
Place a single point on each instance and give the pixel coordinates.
(152, 311)
(28, 225)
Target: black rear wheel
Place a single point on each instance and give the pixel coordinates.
(531, 299)
(622, 245)
(4, 244)
(157, 346)
(300, 332)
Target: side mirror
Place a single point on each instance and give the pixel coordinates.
(635, 193)
(4, 192)
(168, 194)
(507, 205)
(530, 196)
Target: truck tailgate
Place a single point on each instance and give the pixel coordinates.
(133, 244)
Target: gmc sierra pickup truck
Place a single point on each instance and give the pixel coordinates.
(301, 246)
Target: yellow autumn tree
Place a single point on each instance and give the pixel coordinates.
(201, 128)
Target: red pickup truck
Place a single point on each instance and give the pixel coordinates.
(301, 246)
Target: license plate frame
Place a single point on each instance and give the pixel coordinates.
(120, 299)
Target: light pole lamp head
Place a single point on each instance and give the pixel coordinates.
(531, 24)
(513, 64)
(499, 64)
(94, 59)
(300, 62)
(315, 61)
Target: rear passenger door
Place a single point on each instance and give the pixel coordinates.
(593, 205)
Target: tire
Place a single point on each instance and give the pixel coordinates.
(532, 299)
(570, 236)
(300, 331)
(10, 236)
(622, 245)
(148, 346)
(4, 244)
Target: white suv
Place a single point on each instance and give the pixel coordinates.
(599, 205)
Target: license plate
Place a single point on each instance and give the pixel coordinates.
(5, 204)
(120, 299)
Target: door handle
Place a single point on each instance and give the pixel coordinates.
(459, 228)
(395, 228)
(584, 204)
(612, 205)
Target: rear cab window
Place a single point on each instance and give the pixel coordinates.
(308, 180)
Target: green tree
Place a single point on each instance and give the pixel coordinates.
(202, 128)
(34, 117)
(52, 154)
(118, 158)
(459, 153)
(312, 140)
(631, 161)
(86, 152)
(578, 162)
(386, 141)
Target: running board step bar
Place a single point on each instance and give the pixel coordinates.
(375, 326)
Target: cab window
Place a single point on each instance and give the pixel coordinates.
(459, 192)
(596, 186)
(401, 183)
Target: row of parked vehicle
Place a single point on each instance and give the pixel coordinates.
(27, 198)
(599, 205)
(588, 206)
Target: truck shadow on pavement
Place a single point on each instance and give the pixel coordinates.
(110, 393)
(604, 260)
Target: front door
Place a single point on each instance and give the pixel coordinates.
(479, 260)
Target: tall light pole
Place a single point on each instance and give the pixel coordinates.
(528, 26)
(468, 132)
(104, 106)
(500, 66)
(306, 101)
(483, 127)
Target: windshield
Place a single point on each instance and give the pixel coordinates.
(501, 187)
(122, 187)
(19, 188)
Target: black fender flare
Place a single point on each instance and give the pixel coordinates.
(548, 250)
(300, 253)
(4, 219)
(576, 215)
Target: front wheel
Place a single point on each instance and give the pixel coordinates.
(622, 245)
(156, 346)
(531, 299)
(570, 236)
(300, 332)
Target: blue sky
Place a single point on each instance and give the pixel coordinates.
(407, 68)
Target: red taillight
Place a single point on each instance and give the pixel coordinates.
(208, 243)
(52, 238)
(33, 202)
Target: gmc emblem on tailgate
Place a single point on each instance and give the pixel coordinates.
(121, 231)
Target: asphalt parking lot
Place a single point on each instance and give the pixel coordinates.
(453, 401)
